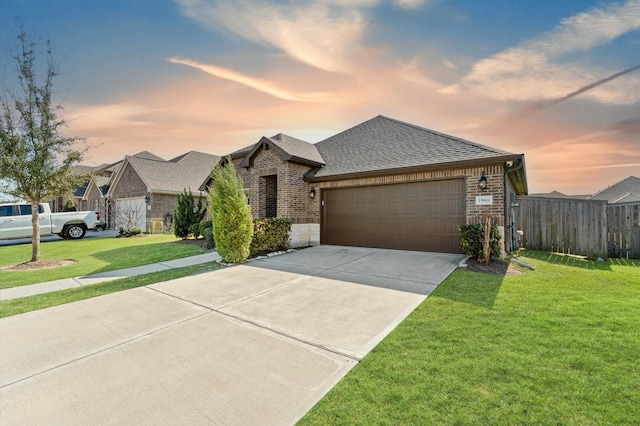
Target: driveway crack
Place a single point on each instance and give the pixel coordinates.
(257, 324)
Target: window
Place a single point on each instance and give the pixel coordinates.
(6, 211)
(271, 196)
(25, 209)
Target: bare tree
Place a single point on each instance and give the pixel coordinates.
(36, 161)
(128, 216)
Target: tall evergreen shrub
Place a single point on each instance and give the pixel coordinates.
(188, 215)
(232, 223)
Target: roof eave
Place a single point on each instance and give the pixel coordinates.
(304, 161)
(402, 170)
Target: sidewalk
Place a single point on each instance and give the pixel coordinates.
(49, 286)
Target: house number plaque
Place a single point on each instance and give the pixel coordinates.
(484, 200)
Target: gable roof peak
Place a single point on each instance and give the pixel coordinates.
(146, 155)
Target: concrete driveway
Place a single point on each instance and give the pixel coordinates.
(258, 343)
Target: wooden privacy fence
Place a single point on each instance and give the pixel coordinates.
(584, 227)
(623, 230)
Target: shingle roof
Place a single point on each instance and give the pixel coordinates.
(148, 155)
(102, 182)
(629, 198)
(297, 148)
(289, 148)
(556, 194)
(79, 191)
(627, 189)
(242, 151)
(383, 143)
(185, 171)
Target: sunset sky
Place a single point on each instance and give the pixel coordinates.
(556, 80)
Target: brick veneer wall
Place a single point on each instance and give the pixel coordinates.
(161, 204)
(295, 203)
(130, 185)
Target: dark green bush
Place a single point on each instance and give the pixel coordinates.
(187, 215)
(122, 232)
(208, 237)
(69, 206)
(269, 235)
(473, 238)
(194, 230)
(204, 225)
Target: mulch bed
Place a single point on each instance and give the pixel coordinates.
(40, 264)
(495, 266)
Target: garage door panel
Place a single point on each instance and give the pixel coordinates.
(410, 216)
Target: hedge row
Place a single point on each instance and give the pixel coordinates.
(269, 235)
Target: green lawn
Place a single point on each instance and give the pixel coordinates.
(40, 301)
(558, 345)
(92, 255)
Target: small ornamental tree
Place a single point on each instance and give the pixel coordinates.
(188, 215)
(232, 223)
(476, 242)
(37, 162)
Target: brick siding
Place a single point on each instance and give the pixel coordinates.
(295, 203)
(471, 175)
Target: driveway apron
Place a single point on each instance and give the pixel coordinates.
(258, 343)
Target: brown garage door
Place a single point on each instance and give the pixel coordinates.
(408, 216)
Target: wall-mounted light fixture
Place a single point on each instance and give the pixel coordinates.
(482, 182)
(146, 199)
(312, 193)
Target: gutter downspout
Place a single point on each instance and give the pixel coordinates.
(513, 205)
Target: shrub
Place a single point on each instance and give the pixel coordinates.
(204, 225)
(208, 237)
(188, 215)
(270, 235)
(194, 230)
(69, 206)
(122, 232)
(232, 224)
(473, 239)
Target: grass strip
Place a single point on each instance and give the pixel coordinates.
(41, 301)
(92, 256)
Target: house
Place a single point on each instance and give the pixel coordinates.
(57, 203)
(383, 183)
(625, 191)
(557, 194)
(144, 189)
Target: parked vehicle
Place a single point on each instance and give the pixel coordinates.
(15, 222)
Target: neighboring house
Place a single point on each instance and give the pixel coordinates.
(625, 191)
(556, 194)
(58, 203)
(143, 191)
(383, 183)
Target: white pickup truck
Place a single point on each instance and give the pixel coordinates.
(15, 222)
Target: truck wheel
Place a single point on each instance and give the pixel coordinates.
(75, 231)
